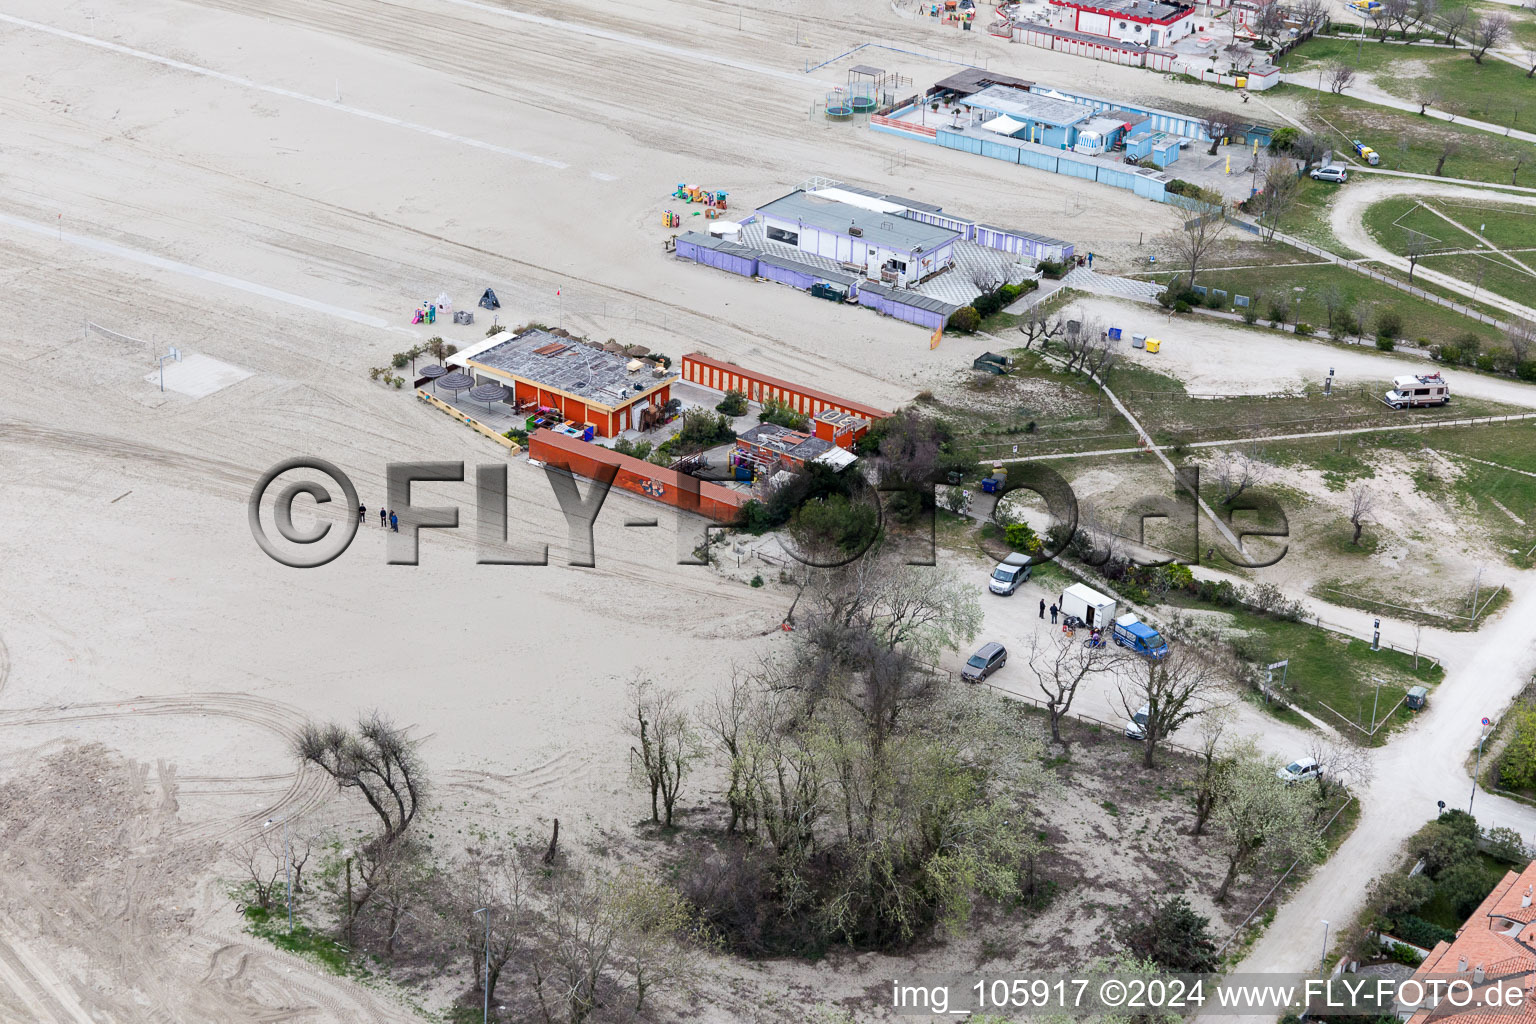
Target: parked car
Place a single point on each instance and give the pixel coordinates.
(1136, 728)
(1132, 633)
(988, 659)
(1299, 770)
(1010, 572)
(1332, 172)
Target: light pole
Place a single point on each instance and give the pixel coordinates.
(287, 861)
(1478, 766)
(1322, 959)
(485, 982)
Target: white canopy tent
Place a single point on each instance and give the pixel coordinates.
(1004, 125)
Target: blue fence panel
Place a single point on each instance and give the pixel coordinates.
(1239, 300)
(1066, 165)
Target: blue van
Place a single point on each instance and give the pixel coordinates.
(1132, 633)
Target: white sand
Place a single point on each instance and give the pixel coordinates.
(184, 173)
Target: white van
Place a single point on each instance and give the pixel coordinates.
(1418, 390)
(1010, 572)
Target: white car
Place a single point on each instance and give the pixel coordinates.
(1332, 172)
(1136, 728)
(1299, 770)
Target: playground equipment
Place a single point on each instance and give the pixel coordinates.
(425, 314)
(693, 194)
(839, 105)
(670, 219)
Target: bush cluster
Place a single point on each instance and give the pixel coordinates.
(735, 404)
(965, 320)
(994, 301)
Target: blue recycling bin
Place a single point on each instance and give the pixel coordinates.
(989, 485)
(1114, 333)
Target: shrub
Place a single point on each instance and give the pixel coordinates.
(1165, 298)
(399, 360)
(1420, 932)
(1279, 310)
(1251, 313)
(1470, 345)
(1212, 300)
(734, 404)
(1181, 306)
(1485, 363)
(1021, 537)
(1052, 269)
(775, 411)
(1385, 343)
(757, 580)
(1180, 187)
(702, 429)
(1447, 354)
(1389, 324)
(1505, 844)
(1517, 763)
(1527, 370)
(1304, 330)
(520, 436)
(494, 330)
(965, 320)
(1465, 885)
(1405, 955)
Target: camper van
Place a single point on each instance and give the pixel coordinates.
(1010, 572)
(1136, 635)
(1087, 604)
(1419, 389)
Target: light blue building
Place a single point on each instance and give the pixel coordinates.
(1056, 123)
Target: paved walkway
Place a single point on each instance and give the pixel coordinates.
(1086, 280)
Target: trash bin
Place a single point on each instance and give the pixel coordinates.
(989, 486)
(1114, 333)
(1153, 344)
(1138, 341)
(1416, 697)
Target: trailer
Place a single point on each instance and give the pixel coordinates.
(1418, 390)
(1083, 602)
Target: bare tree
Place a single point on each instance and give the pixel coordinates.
(1450, 149)
(1340, 75)
(1220, 123)
(1195, 240)
(1282, 185)
(1425, 12)
(378, 759)
(1489, 31)
(1528, 57)
(667, 745)
(575, 956)
(491, 877)
(1089, 348)
(1310, 12)
(1041, 323)
(1237, 470)
(1399, 13)
(1521, 338)
(1060, 664)
(264, 858)
(1428, 94)
(1176, 688)
(1343, 765)
(1452, 21)
(1362, 505)
(725, 721)
(1213, 763)
(1270, 23)
(1334, 304)
(1416, 245)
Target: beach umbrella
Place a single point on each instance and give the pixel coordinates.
(432, 373)
(456, 382)
(489, 393)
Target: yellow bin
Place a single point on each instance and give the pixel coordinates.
(1242, 83)
(1153, 344)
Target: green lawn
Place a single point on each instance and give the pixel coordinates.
(1326, 668)
(1308, 219)
(1306, 285)
(1506, 225)
(1488, 273)
(1491, 91)
(1408, 142)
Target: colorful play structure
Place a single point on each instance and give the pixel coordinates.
(691, 194)
(670, 219)
(425, 314)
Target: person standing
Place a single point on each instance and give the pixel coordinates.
(362, 510)
(383, 518)
(1042, 607)
(1090, 260)
(394, 522)
(1053, 614)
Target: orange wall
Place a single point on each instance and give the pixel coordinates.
(718, 376)
(583, 458)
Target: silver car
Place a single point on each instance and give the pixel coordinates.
(1330, 173)
(988, 659)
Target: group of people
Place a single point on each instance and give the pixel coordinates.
(387, 519)
(1094, 640)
